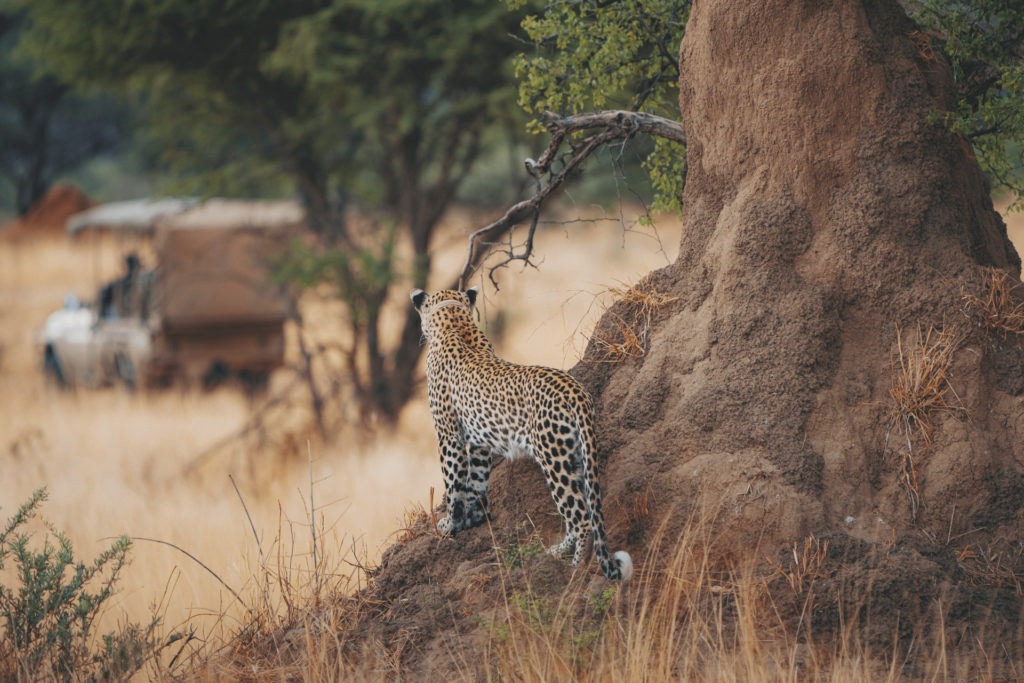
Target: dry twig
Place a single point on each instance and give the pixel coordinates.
(993, 566)
(610, 126)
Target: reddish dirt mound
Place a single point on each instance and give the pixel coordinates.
(793, 380)
(47, 218)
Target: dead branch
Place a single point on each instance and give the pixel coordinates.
(610, 126)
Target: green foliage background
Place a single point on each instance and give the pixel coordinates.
(623, 54)
(983, 41)
(613, 55)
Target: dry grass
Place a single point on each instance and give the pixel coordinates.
(920, 381)
(996, 565)
(920, 390)
(995, 304)
(807, 565)
(415, 516)
(683, 617)
(636, 514)
(116, 463)
(925, 51)
(624, 335)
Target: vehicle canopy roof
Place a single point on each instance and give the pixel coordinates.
(214, 258)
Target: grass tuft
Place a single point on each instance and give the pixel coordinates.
(624, 335)
(920, 389)
(920, 381)
(807, 564)
(998, 564)
(995, 303)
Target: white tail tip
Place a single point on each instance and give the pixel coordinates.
(625, 564)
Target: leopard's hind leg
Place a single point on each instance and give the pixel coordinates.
(565, 485)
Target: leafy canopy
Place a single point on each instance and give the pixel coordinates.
(374, 100)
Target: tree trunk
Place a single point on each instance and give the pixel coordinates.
(828, 224)
(394, 387)
(33, 182)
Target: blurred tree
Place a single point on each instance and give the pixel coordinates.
(46, 129)
(380, 102)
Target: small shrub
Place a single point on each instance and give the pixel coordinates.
(514, 555)
(539, 611)
(602, 602)
(49, 603)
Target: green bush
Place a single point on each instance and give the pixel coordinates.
(49, 602)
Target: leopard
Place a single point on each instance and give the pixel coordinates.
(482, 405)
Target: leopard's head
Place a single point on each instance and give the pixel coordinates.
(446, 307)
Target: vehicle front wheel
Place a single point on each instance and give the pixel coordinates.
(125, 370)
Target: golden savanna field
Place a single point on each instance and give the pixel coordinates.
(163, 465)
(142, 465)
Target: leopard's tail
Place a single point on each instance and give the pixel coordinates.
(619, 565)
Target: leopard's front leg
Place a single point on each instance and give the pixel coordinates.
(455, 469)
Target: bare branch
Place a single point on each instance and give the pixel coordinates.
(610, 126)
(630, 122)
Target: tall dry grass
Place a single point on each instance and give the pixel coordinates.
(120, 463)
(687, 617)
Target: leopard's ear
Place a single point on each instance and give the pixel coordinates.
(418, 296)
(471, 293)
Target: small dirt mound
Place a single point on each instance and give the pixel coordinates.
(47, 217)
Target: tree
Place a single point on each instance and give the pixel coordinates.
(983, 43)
(381, 103)
(46, 129)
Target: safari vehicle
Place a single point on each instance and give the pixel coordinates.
(206, 312)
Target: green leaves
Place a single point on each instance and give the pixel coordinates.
(610, 55)
(983, 41)
(623, 54)
(359, 275)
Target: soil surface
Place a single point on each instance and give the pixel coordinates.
(47, 217)
(828, 228)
